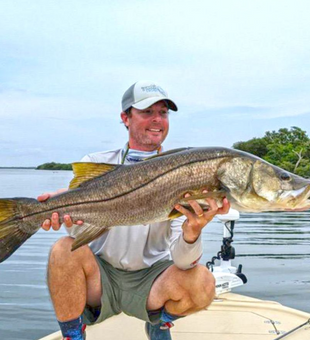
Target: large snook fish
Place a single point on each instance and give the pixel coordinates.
(105, 195)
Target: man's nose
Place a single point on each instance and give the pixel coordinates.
(156, 117)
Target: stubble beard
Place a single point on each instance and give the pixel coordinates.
(148, 143)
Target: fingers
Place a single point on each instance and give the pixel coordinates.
(213, 208)
(195, 205)
(199, 218)
(52, 222)
(55, 223)
(43, 197)
(225, 208)
(67, 221)
(46, 225)
(184, 211)
(198, 210)
(48, 195)
(59, 191)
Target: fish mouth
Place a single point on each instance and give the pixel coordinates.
(297, 198)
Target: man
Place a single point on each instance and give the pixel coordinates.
(149, 272)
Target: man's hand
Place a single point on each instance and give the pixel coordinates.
(54, 221)
(195, 222)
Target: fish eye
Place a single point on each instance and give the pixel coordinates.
(285, 176)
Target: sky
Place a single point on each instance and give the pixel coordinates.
(235, 68)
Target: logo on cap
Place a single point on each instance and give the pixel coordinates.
(153, 88)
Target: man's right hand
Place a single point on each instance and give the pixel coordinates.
(54, 221)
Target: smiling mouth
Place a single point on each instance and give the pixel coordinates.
(155, 130)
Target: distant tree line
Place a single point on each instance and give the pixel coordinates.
(288, 149)
(54, 166)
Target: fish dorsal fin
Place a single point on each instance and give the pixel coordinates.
(85, 171)
(169, 152)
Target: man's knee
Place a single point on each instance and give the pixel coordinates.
(203, 287)
(61, 249)
(63, 243)
(63, 258)
(208, 286)
(61, 252)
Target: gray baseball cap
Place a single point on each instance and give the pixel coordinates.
(143, 94)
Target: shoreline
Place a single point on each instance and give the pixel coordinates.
(18, 167)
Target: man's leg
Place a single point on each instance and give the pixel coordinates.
(180, 292)
(73, 280)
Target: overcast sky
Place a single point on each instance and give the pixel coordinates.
(236, 69)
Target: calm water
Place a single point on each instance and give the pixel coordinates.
(274, 249)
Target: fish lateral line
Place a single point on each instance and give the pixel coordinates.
(128, 192)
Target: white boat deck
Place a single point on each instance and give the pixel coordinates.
(231, 317)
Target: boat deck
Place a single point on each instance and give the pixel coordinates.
(230, 317)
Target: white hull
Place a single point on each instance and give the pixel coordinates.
(231, 317)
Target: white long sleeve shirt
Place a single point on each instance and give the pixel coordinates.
(137, 247)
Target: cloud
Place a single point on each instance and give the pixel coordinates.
(25, 105)
(64, 67)
(247, 112)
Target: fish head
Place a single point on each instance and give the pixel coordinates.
(255, 185)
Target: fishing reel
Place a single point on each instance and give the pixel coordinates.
(227, 276)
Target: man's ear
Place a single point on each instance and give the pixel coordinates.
(125, 118)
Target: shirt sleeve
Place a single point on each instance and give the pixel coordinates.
(86, 158)
(184, 255)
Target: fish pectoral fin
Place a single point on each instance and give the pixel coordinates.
(210, 194)
(85, 171)
(174, 214)
(85, 234)
(196, 197)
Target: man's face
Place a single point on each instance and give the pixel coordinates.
(147, 128)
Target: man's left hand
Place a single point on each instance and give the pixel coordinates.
(198, 219)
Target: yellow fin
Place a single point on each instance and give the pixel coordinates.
(184, 202)
(12, 235)
(85, 171)
(211, 194)
(174, 214)
(7, 209)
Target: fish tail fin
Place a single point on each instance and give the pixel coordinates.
(12, 236)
